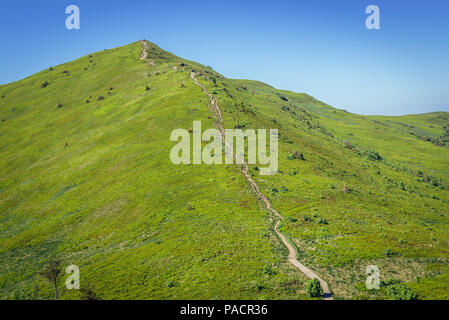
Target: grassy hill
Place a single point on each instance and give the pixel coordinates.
(86, 177)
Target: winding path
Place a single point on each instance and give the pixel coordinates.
(213, 106)
(215, 109)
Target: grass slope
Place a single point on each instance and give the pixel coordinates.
(92, 184)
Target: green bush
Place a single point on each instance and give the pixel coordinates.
(268, 270)
(390, 253)
(322, 221)
(401, 292)
(314, 289)
(373, 156)
(390, 282)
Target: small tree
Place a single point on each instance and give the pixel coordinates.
(314, 289)
(52, 272)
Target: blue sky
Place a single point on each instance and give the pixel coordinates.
(320, 47)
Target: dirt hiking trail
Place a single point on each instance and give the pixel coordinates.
(292, 258)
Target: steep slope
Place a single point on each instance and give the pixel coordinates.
(366, 193)
(92, 184)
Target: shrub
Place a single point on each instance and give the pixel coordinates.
(44, 84)
(314, 289)
(268, 270)
(346, 189)
(88, 293)
(322, 221)
(299, 156)
(373, 156)
(259, 285)
(390, 282)
(348, 145)
(390, 253)
(401, 292)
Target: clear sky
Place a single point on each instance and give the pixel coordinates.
(320, 47)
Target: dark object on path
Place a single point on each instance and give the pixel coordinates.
(100, 98)
(13, 109)
(87, 101)
(111, 88)
(59, 105)
(45, 84)
(147, 88)
(65, 71)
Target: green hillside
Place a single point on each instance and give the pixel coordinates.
(86, 177)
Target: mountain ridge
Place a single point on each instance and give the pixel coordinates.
(86, 177)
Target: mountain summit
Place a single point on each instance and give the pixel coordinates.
(86, 178)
